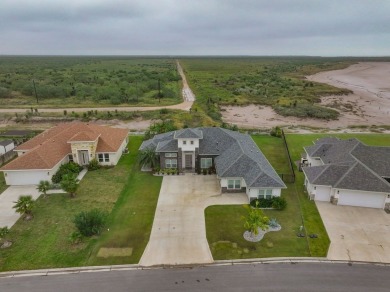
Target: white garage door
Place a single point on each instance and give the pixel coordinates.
(362, 200)
(18, 178)
(322, 194)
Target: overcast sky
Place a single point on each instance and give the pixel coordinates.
(196, 27)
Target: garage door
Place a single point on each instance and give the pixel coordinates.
(18, 178)
(322, 194)
(362, 200)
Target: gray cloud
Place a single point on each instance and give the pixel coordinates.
(169, 27)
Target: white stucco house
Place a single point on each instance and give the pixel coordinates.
(239, 164)
(348, 172)
(6, 146)
(39, 158)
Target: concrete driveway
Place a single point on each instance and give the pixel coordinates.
(179, 233)
(8, 216)
(358, 234)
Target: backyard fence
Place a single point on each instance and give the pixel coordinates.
(7, 157)
(290, 162)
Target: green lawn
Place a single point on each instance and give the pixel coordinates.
(225, 226)
(129, 195)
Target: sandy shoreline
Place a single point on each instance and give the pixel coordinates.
(368, 105)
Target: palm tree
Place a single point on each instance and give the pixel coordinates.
(43, 187)
(255, 220)
(148, 157)
(24, 206)
(70, 184)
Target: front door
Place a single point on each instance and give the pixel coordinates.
(188, 160)
(83, 157)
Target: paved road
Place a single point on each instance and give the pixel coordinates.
(187, 94)
(261, 277)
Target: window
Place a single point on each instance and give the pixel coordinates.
(104, 157)
(206, 162)
(171, 163)
(70, 158)
(184, 142)
(170, 154)
(192, 142)
(234, 184)
(265, 194)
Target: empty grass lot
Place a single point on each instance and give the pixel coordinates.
(129, 195)
(225, 226)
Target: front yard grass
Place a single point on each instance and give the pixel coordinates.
(127, 194)
(225, 226)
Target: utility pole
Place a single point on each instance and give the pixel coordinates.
(136, 89)
(159, 91)
(35, 89)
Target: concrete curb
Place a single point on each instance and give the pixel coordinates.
(94, 269)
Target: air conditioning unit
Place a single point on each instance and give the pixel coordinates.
(312, 196)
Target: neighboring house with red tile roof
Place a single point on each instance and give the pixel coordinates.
(39, 158)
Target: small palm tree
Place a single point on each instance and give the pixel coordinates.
(24, 206)
(148, 157)
(43, 187)
(255, 220)
(70, 184)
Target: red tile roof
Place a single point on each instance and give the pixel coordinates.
(48, 148)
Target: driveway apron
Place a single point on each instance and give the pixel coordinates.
(8, 216)
(179, 234)
(356, 233)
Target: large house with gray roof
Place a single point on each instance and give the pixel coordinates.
(348, 172)
(239, 164)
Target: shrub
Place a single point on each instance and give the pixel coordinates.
(279, 203)
(274, 202)
(68, 168)
(93, 165)
(276, 132)
(262, 203)
(4, 231)
(75, 238)
(90, 223)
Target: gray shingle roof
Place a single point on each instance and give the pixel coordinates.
(349, 164)
(167, 146)
(361, 178)
(189, 133)
(238, 155)
(155, 140)
(374, 157)
(6, 142)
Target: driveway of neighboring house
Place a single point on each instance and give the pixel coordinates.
(179, 233)
(356, 233)
(8, 216)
